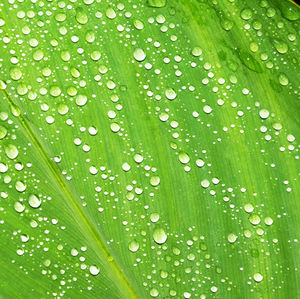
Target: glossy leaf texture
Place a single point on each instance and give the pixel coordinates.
(149, 148)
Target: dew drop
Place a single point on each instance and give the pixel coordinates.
(138, 158)
(139, 54)
(207, 109)
(154, 293)
(156, 3)
(248, 208)
(134, 246)
(15, 74)
(110, 13)
(81, 100)
(3, 132)
(170, 94)
(11, 151)
(20, 186)
(126, 167)
(81, 16)
(283, 79)
(231, 238)
(254, 219)
(34, 201)
(94, 270)
(19, 207)
(258, 277)
(184, 158)
(196, 51)
(280, 46)
(264, 113)
(268, 221)
(154, 217)
(55, 91)
(205, 183)
(159, 236)
(246, 14)
(200, 163)
(154, 181)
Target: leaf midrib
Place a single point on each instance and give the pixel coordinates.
(82, 218)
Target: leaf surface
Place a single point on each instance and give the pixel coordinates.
(148, 149)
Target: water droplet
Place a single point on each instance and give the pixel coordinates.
(138, 24)
(138, 158)
(11, 151)
(156, 3)
(226, 24)
(81, 16)
(19, 207)
(81, 100)
(110, 13)
(3, 167)
(20, 186)
(55, 91)
(2, 85)
(283, 79)
(246, 14)
(184, 158)
(207, 109)
(170, 93)
(63, 109)
(126, 167)
(94, 270)
(3, 132)
(254, 219)
(139, 54)
(250, 62)
(115, 127)
(154, 293)
(248, 208)
(280, 46)
(154, 217)
(154, 181)
(258, 277)
(159, 236)
(264, 113)
(231, 238)
(205, 183)
(15, 74)
(200, 163)
(134, 246)
(34, 201)
(268, 221)
(196, 51)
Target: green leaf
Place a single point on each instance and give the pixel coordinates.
(148, 149)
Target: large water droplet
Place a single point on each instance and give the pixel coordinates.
(184, 158)
(258, 277)
(170, 93)
(139, 54)
(134, 246)
(81, 16)
(11, 151)
(94, 270)
(3, 132)
(34, 201)
(156, 3)
(159, 236)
